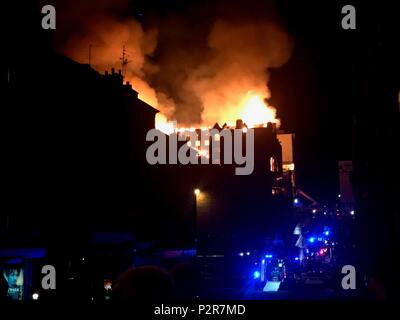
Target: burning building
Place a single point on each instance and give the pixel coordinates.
(230, 206)
(214, 73)
(77, 161)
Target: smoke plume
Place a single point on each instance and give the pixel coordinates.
(196, 65)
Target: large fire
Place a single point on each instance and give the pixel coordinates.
(163, 124)
(218, 75)
(253, 110)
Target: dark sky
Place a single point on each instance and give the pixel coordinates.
(324, 85)
(313, 93)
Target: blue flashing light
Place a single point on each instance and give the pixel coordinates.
(297, 258)
(241, 254)
(280, 265)
(247, 253)
(256, 274)
(326, 233)
(311, 239)
(268, 255)
(319, 238)
(263, 261)
(296, 201)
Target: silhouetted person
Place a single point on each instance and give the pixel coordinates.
(145, 283)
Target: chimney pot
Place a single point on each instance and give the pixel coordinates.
(239, 124)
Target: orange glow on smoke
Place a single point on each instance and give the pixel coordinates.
(252, 109)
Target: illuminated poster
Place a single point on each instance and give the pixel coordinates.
(14, 276)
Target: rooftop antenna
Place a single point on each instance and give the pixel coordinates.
(124, 61)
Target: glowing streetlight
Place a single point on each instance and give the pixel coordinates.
(35, 296)
(197, 192)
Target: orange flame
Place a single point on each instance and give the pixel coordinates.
(255, 112)
(164, 125)
(252, 109)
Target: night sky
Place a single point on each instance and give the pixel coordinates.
(323, 86)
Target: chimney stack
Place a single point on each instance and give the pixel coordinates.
(239, 124)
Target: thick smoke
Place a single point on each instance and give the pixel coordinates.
(103, 28)
(238, 62)
(195, 66)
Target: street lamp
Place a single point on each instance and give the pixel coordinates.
(197, 198)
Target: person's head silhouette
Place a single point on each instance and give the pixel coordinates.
(145, 283)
